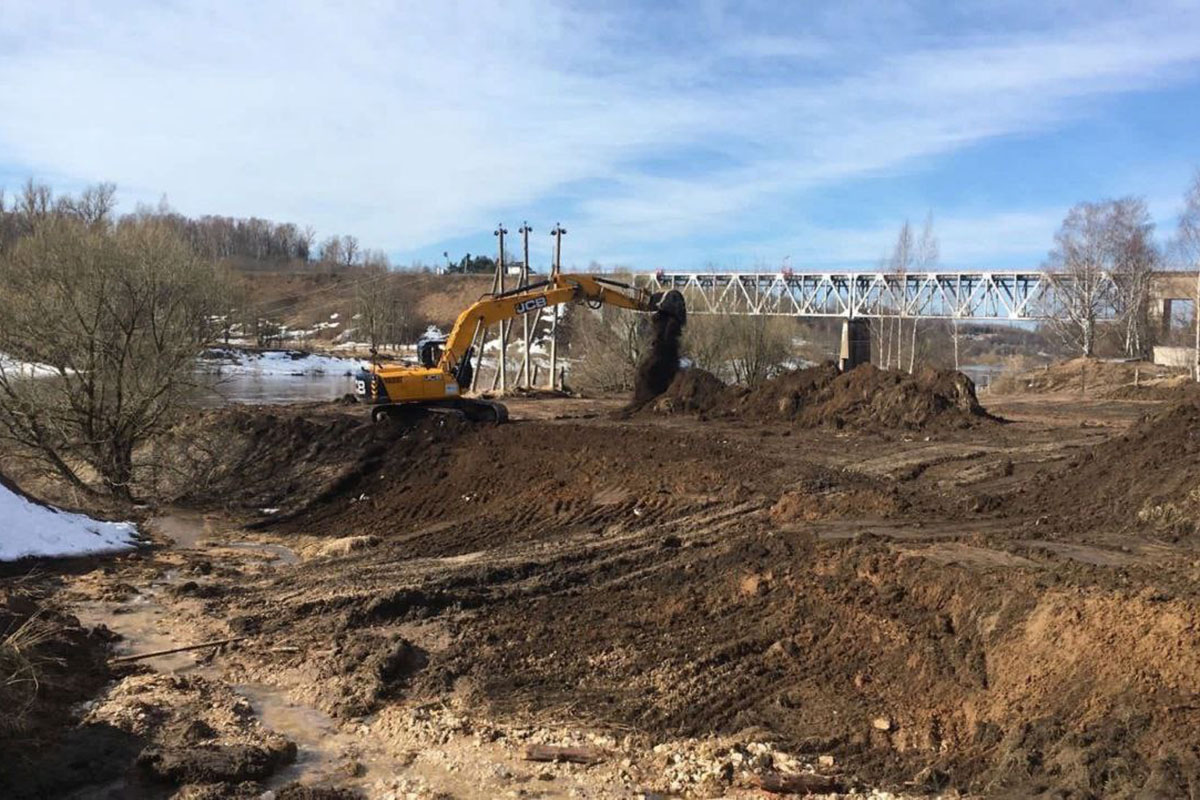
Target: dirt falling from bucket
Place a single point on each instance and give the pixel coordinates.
(658, 366)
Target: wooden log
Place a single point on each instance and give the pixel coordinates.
(168, 651)
(576, 755)
(798, 783)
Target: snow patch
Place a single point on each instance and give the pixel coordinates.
(25, 369)
(32, 529)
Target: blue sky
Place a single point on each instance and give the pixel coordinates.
(676, 135)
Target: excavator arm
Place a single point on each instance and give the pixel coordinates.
(559, 289)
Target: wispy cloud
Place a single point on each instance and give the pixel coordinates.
(416, 123)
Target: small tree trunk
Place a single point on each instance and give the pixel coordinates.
(912, 350)
(1196, 321)
(954, 336)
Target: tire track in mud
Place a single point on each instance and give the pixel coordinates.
(637, 575)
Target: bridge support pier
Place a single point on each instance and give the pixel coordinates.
(856, 343)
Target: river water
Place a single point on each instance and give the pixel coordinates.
(263, 389)
(229, 375)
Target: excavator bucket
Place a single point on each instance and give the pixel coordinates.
(671, 302)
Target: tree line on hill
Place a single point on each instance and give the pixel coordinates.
(244, 242)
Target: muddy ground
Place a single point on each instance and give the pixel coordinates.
(1000, 608)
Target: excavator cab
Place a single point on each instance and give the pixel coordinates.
(429, 347)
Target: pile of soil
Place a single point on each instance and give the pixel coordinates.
(1179, 389)
(693, 391)
(865, 397)
(1148, 478)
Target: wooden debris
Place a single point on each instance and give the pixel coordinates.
(799, 783)
(152, 654)
(576, 755)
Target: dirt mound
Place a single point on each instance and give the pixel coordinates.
(508, 483)
(692, 391)
(1149, 478)
(281, 459)
(1179, 389)
(866, 397)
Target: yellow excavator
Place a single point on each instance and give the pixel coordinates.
(444, 374)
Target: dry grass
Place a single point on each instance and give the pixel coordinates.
(21, 666)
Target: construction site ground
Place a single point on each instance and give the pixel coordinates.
(698, 604)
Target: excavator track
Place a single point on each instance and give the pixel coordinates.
(474, 410)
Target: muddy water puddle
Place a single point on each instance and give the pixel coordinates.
(146, 625)
(278, 554)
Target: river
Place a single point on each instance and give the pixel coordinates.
(274, 377)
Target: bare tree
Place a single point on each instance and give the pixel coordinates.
(927, 258)
(349, 251)
(1187, 245)
(608, 342)
(758, 345)
(331, 250)
(1134, 260)
(706, 342)
(34, 204)
(371, 309)
(118, 314)
(879, 327)
(902, 258)
(94, 205)
(376, 261)
(1083, 257)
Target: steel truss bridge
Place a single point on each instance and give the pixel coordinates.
(850, 295)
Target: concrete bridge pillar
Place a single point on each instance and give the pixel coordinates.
(856, 344)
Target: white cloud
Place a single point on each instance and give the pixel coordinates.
(412, 123)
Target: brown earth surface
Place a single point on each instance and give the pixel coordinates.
(1093, 377)
(923, 602)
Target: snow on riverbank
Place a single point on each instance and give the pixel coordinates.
(276, 363)
(24, 369)
(32, 529)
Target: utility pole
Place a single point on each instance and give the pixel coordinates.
(525, 230)
(556, 268)
(500, 268)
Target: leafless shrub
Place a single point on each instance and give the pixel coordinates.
(758, 347)
(605, 345)
(118, 314)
